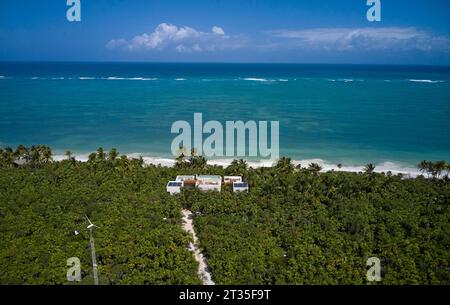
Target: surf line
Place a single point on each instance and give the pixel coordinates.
(203, 269)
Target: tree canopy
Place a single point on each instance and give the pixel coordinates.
(294, 226)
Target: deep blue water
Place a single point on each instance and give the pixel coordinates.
(350, 114)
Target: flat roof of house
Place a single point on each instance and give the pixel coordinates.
(175, 183)
(185, 177)
(215, 177)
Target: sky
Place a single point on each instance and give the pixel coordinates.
(299, 31)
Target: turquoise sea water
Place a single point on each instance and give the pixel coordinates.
(345, 114)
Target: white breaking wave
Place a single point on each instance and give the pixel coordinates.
(130, 78)
(254, 79)
(94, 78)
(180, 79)
(2, 77)
(345, 80)
(429, 81)
(141, 78)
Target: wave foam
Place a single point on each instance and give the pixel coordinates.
(141, 78)
(254, 79)
(429, 81)
(345, 80)
(130, 78)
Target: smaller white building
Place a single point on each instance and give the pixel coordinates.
(240, 187)
(174, 187)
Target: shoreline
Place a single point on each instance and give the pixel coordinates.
(385, 166)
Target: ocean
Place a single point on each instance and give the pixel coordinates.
(392, 116)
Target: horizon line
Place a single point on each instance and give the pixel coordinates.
(223, 62)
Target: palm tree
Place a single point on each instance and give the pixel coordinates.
(35, 156)
(424, 166)
(198, 161)
(92, 157)
(439, 167)
(195, 160)
(181, 150)
(193, 151)
(369, 168)
(285, 165)
(237, 167)
(45, 153)
(101, 154)
(314, 167)
(113, 154)
(70, 157)
(124, 162)
(141, 161)
(180, 160)
(21, 151)
(8, 155)
(243, 164)
(68, 154)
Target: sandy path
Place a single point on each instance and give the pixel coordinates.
(203, 269)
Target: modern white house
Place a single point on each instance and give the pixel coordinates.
(209, 183)
(240, 187)
(174, 187)
(206, 183)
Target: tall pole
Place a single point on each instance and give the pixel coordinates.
(94, 260)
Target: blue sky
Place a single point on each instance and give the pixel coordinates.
(321, 31)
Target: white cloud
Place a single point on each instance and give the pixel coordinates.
(218, 30)
(181, 39)
(362, 39)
